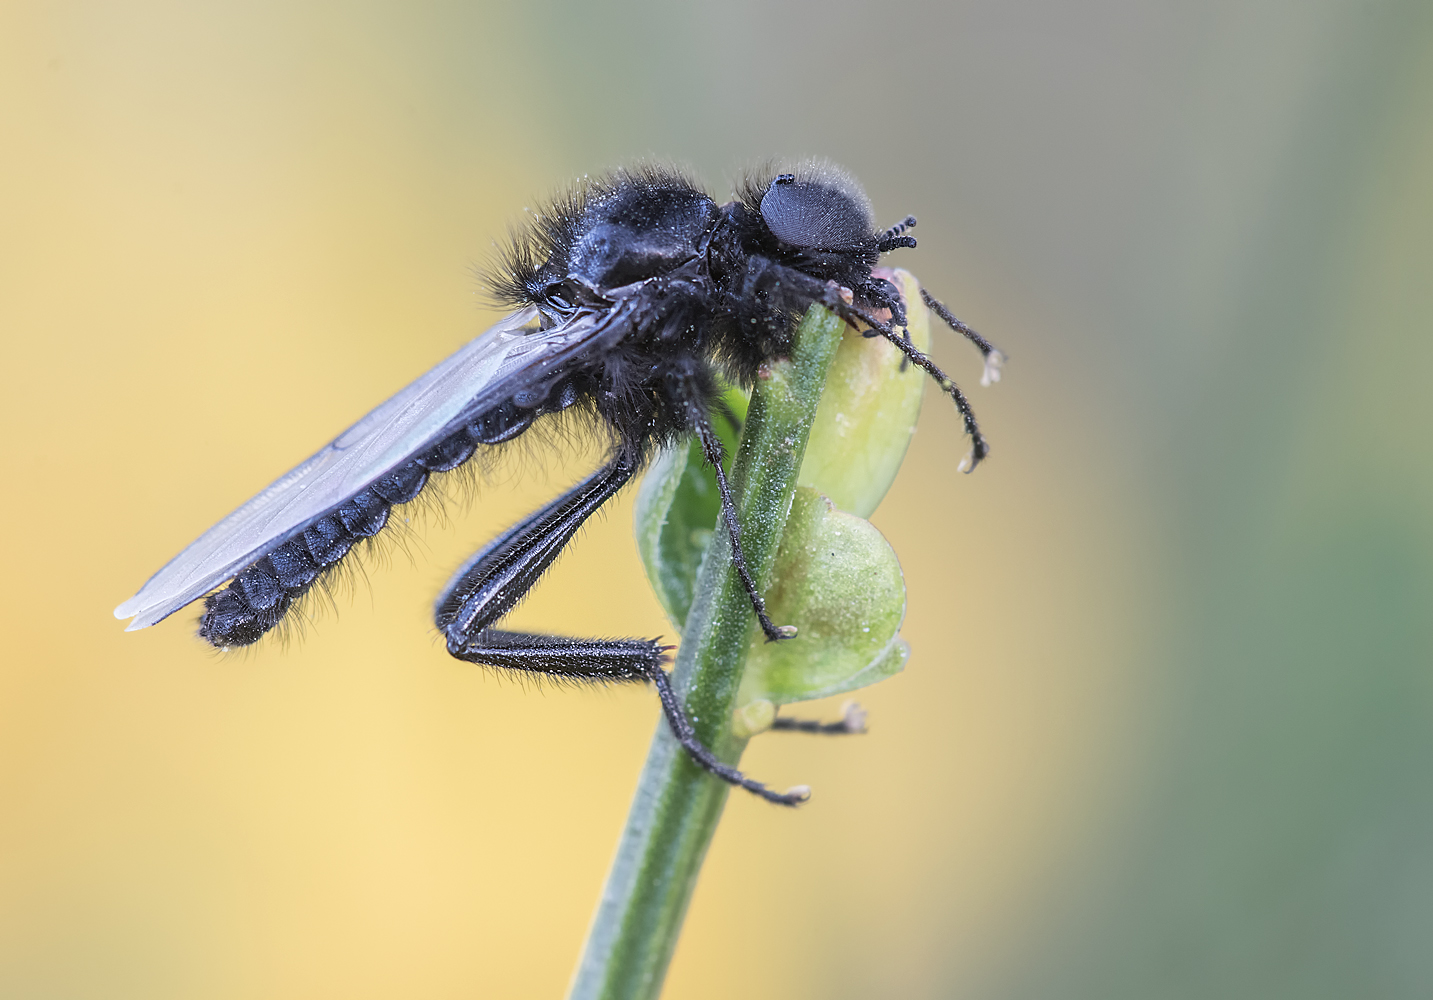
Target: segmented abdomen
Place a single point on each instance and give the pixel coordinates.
(258, 597)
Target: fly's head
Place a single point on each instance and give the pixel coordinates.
(815, 218)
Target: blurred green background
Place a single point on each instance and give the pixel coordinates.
(1167, 730)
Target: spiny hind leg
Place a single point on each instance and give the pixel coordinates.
(495, 579)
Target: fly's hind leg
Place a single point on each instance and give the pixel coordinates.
(488, 586)
(494, 580)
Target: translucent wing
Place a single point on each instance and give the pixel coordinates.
(480, 375)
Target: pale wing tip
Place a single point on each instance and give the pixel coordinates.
(132, 609)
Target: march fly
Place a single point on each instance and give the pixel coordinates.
(635, 298)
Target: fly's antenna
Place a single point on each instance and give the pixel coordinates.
(909, 222)
(893, 238)
(979, 448)
(994, 357)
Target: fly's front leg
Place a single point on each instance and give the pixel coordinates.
(493, 581)
(765, 273)
(979, 448)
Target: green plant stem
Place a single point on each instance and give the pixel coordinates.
(675, 811)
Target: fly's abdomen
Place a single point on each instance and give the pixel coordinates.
(259, 597)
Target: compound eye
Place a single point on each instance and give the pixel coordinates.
(814, 216)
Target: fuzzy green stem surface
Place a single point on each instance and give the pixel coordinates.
(677, 805)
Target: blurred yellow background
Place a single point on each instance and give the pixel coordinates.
(1167, 729)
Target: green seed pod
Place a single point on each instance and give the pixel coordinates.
(838, 581)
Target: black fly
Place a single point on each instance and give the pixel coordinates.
(635, 295)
